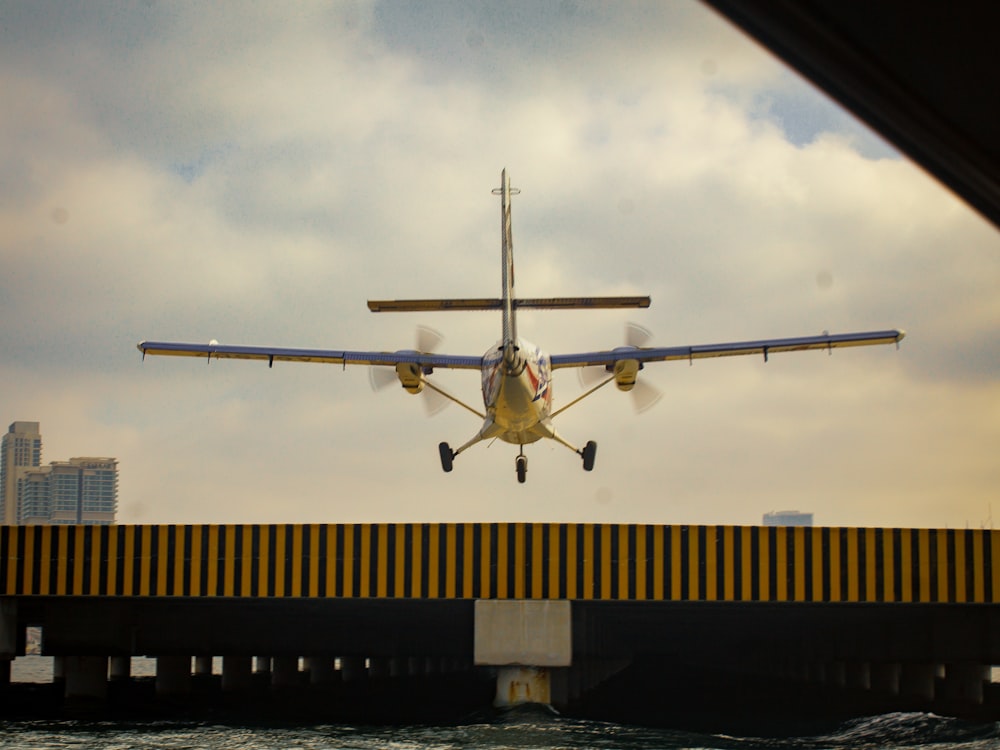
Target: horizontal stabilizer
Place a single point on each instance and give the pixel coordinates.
(548, 303)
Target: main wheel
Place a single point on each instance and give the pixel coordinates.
(589, 454)
(447, 457)
(521, 465)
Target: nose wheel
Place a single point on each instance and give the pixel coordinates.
(521, 466)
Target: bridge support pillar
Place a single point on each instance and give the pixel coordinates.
(885, 678)
(203, 666)
(86, 677)
(58, 669)
(378, 667)
(917, 681)
(8, 627)
(237, 673)
(836, 674)
(517, 685)
(964, 682)
(121, 667)
(284, 672)
(173, 675)
(858, 675)
(321, 670)
(352, 668)
(522, 638)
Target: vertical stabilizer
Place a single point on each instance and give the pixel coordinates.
(507, 268)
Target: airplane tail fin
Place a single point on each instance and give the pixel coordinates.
(508, 304)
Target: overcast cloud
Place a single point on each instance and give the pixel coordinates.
(253, 173)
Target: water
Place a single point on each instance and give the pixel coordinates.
(521, 732)
(525, 729)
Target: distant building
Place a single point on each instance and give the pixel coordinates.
(81, 490)
(20, 451)
(788, 518)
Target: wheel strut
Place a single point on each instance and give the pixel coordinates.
(521, 466)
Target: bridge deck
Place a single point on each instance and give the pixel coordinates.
(504, 560)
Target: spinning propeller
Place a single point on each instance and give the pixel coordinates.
(644, 394)
(381, 378)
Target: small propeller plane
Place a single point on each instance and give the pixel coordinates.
(517, 375)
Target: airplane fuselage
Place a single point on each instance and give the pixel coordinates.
(517, 392)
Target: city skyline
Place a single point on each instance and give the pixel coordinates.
(254, 177)
(82, 489)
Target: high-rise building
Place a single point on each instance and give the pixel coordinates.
(20, 451)
(788, 518)
(81, 490)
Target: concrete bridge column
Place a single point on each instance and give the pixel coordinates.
(321, 670)
(964, 682)
(522, 638)
(203, 666)
(237, 673)
(378, 667)
(917, 681)
(86, 677)
(858, 675)
(284, 672)
(836, 674)
(59, 669)
(121, 667)
(173, 675)
(885, 678)
(517, 685)
(8, 636)
(352, 668)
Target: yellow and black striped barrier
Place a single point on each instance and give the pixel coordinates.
(504, 561)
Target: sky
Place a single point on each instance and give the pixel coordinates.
(254, 172)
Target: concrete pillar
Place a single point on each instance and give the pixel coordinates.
(173, 675)
(378, 667)
(857, 675)
(885, 678)
(517, 685)
(86, 677)
(262, 664)
(917, 681)
(236, 673)
(8, 627)
(964, 682)
(321, 670)
(59, 669)
(352, 668)
(121, 667)
(534, 632)
(203, 666)
(397, 666)
(836, 674)
(284, 671)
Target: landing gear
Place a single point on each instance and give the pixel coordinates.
(589, 453)
(447, 456)
(521, 466)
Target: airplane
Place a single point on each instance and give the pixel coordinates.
(516, 375)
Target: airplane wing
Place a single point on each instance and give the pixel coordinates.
(323, 356)
(764, 347)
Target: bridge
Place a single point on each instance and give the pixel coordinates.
(606, 620)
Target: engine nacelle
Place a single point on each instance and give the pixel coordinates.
(410, 376)
(626, 371)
